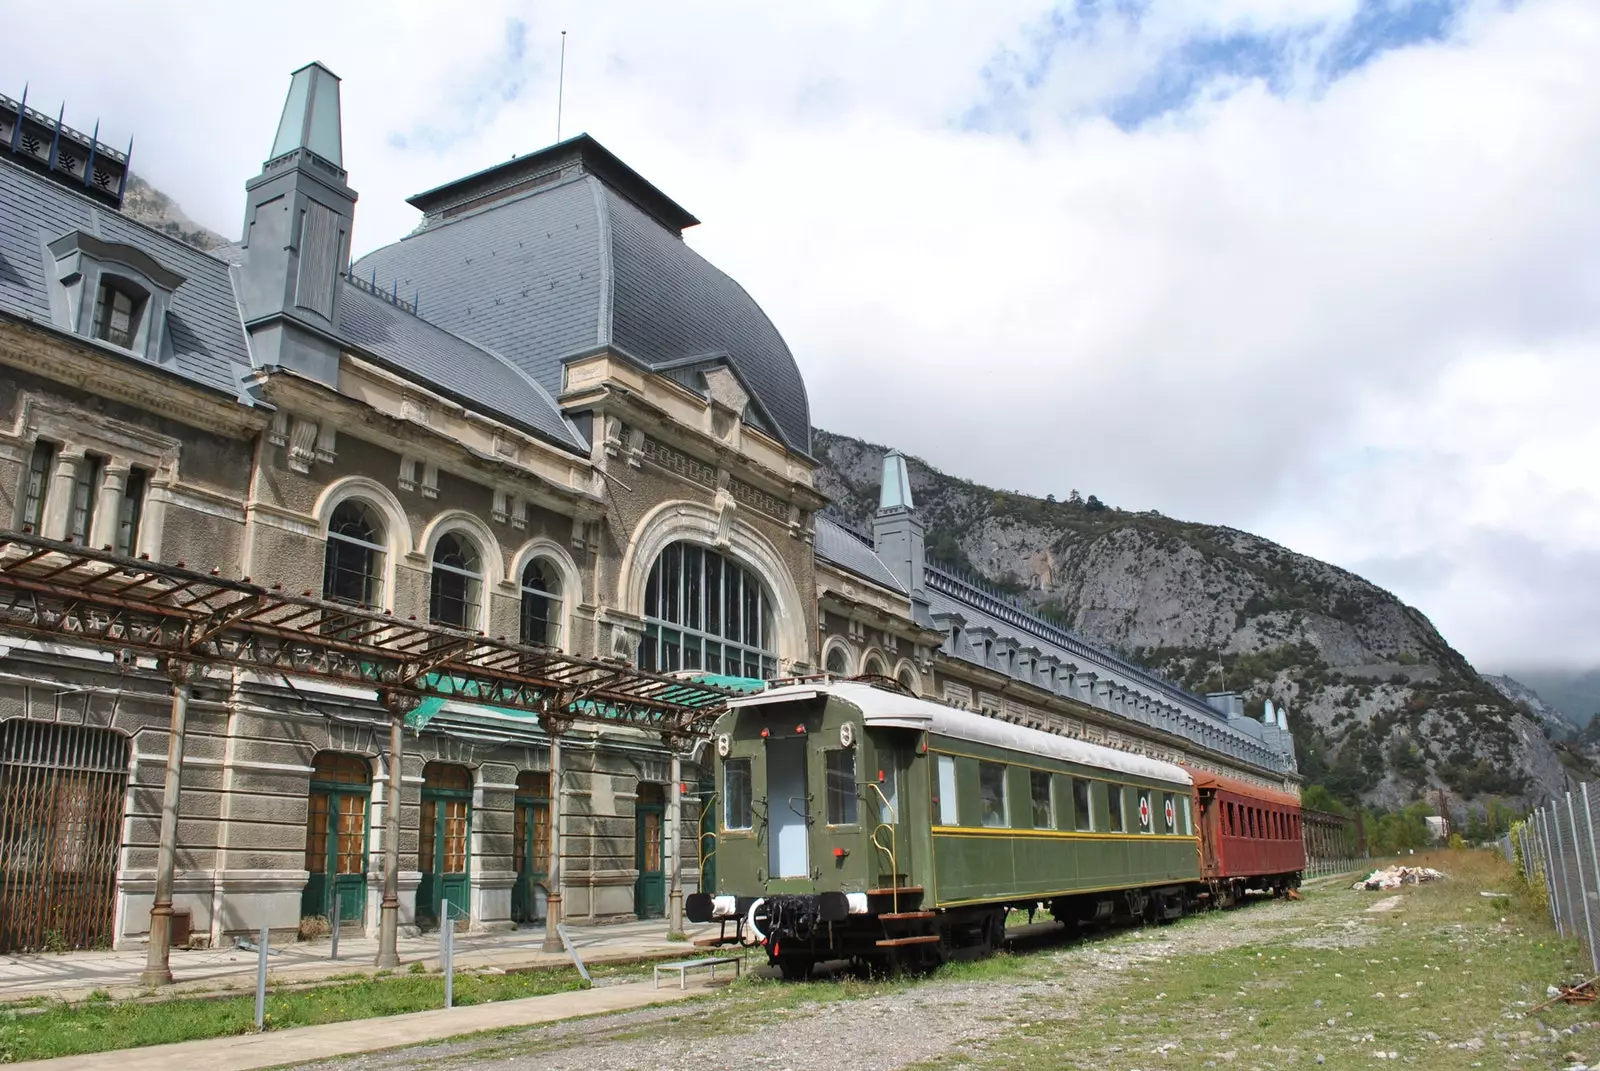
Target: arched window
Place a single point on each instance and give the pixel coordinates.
(704, 611)
(838, 662)
(874, 667)
(353, 568)
(456, 586)
(541, 603)
(908, 679)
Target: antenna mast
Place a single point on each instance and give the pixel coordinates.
(561, 83)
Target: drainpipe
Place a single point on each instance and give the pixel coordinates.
(158, 969)
(675, 844)
(389, 911)
(552, 914)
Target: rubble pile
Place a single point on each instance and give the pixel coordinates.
(1396, 876)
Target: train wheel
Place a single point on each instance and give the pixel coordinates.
(994, 932)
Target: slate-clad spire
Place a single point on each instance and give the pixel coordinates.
(298, 217)
(898, 534)
(311, 116)
(896, 490)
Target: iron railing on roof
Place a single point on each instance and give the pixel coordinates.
(392, 295)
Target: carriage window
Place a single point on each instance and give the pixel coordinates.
(1082, 816)
(992, 793)
(1169, 813)
(948, 815)
(736, 794)
(841, 764)
(1147, 821)
(1044, 811)
(1188, 820)
(1114, 806)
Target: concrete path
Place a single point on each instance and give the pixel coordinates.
(75, 975)
(275, 1048)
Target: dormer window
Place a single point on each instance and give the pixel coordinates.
(117, 312)
(113, 292)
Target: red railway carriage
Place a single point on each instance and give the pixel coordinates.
(1250, 836)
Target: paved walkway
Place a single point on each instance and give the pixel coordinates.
(75, 975)
(275, 1048)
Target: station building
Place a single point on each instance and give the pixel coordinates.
(543, 416)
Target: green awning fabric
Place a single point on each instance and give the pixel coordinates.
(467, 690)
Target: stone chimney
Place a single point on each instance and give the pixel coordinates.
(298, 217)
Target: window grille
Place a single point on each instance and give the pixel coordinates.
(703, 611)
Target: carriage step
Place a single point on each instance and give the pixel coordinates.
(905, 890)
(896, 942)
(893, 915)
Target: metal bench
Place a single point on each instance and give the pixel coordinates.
(683, 967)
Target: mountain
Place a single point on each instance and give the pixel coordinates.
(148, 205)
(1530, 702)
(1575, 692)
(1383, 709)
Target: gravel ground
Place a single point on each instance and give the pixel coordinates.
(870, 1028)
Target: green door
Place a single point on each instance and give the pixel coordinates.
(442, 842)
(650, 891)
(530, 849)
(336, 839)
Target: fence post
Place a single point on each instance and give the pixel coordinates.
(1551, 880)
(261, 979)
(447, 941)
(1583, 882)
(1569, 910)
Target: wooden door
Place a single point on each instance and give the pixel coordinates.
(337, 827)
(530, 847)
(442, 843)
(650, 891)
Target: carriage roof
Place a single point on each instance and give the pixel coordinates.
(884, 708)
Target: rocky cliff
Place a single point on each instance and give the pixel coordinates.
(153, 208)
(1382, 707)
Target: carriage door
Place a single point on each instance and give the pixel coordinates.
(1210, 832)
(706, 793)
(890, 827)
(530, 848)
(442, 841)
(61, 793)
(788, 808)
(336, 838)
(649, 893)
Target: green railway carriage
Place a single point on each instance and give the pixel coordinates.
(855, 821)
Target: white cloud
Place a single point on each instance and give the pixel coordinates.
(1337, 314)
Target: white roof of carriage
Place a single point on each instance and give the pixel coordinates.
(882, 707)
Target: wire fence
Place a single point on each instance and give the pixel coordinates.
(1556, 851)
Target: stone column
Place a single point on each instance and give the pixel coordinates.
(552, 915)
(157, 969)
(108, 507)
(58, 496)
(389, 910)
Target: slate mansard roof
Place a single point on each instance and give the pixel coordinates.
(839, 546)
(566, 251)
(204, 329)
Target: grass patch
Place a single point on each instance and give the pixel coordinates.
(1445, 980)
(101, 1025)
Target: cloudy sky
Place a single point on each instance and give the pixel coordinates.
(1328, 270)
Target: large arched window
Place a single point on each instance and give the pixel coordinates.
(352, 571)
(541, 603)
(456, 587)
(704, 611)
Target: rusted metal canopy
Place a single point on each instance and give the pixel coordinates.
(72, 593)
